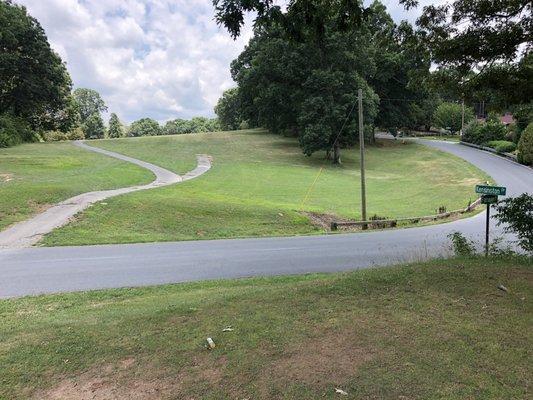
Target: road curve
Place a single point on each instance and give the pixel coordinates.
(61, 269)
(29, 232)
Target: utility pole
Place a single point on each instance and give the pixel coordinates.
(463, 117)
(362, 157)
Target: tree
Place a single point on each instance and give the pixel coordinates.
(467, 33)
(401, 73)
(487, 45)
(449, 116)
(516, 213)
(115, 127)
(144, 127)
(89, 102)
(525, 146)
(34, 83)
(93, 127)
(228, 109)
(300, 17)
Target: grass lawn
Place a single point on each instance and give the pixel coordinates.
(425, 331)
(34, 176)
(258, 184)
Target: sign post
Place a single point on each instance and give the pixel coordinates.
(489, 195)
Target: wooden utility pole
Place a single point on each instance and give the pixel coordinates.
(362, 158)
(463, 117)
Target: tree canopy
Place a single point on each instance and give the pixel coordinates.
(302, 79)
(483, 48)
(144, 127)
(34, 83)
(115, 129)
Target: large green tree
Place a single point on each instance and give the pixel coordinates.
(34, 83)
(89, 102)
(93, 127)
(483, 47)
(145, 127)
(90, 105)
(228, 109)
(115, 129)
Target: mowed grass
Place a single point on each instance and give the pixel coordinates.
(437, 330)
(34, 176)
(260, 184)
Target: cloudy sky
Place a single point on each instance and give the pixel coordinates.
(162, 59)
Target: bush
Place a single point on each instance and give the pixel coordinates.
(461, 246)
(525, 146)
(54, 136)
(502, 146)
(483, 133)
(14, 131)
(471, 132)
(516, 214)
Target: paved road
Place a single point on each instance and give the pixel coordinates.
(49, 270)
(29, 232)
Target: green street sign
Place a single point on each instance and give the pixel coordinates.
(492, 190)
(489, 199)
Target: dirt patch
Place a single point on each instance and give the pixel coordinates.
(6, 177)
(324, 221)
(327, 360)
(114, 382)
(132, 380)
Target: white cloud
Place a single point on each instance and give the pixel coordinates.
(148, 58)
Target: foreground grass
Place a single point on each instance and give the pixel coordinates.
(258, 185)
(34, 176)
(435, 330)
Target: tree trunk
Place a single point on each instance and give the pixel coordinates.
(336, 153)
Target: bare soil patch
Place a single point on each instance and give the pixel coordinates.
(124, 380)
(6, 177)
(322, 361)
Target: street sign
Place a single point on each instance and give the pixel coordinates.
(493, 190)
(489, 199)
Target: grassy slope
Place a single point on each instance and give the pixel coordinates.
(435, 330)
(258, 183)
(33, 176)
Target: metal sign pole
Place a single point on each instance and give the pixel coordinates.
(487, 226)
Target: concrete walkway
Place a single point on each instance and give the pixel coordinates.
(29, 232)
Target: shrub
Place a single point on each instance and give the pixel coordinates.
(471, 132)
(483, 133)
(491, 130)
(461, 246)
(502, 146)
(14, 131)
(54, 136)
(517, 215)
(525, 146)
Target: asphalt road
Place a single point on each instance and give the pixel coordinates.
(48, 270)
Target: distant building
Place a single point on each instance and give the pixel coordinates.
(507, 119)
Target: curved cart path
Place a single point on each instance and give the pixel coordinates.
(29, 232)
(63, 269)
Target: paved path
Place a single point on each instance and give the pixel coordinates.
(60, 269)
(29, 232)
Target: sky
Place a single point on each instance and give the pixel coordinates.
(162, 59)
